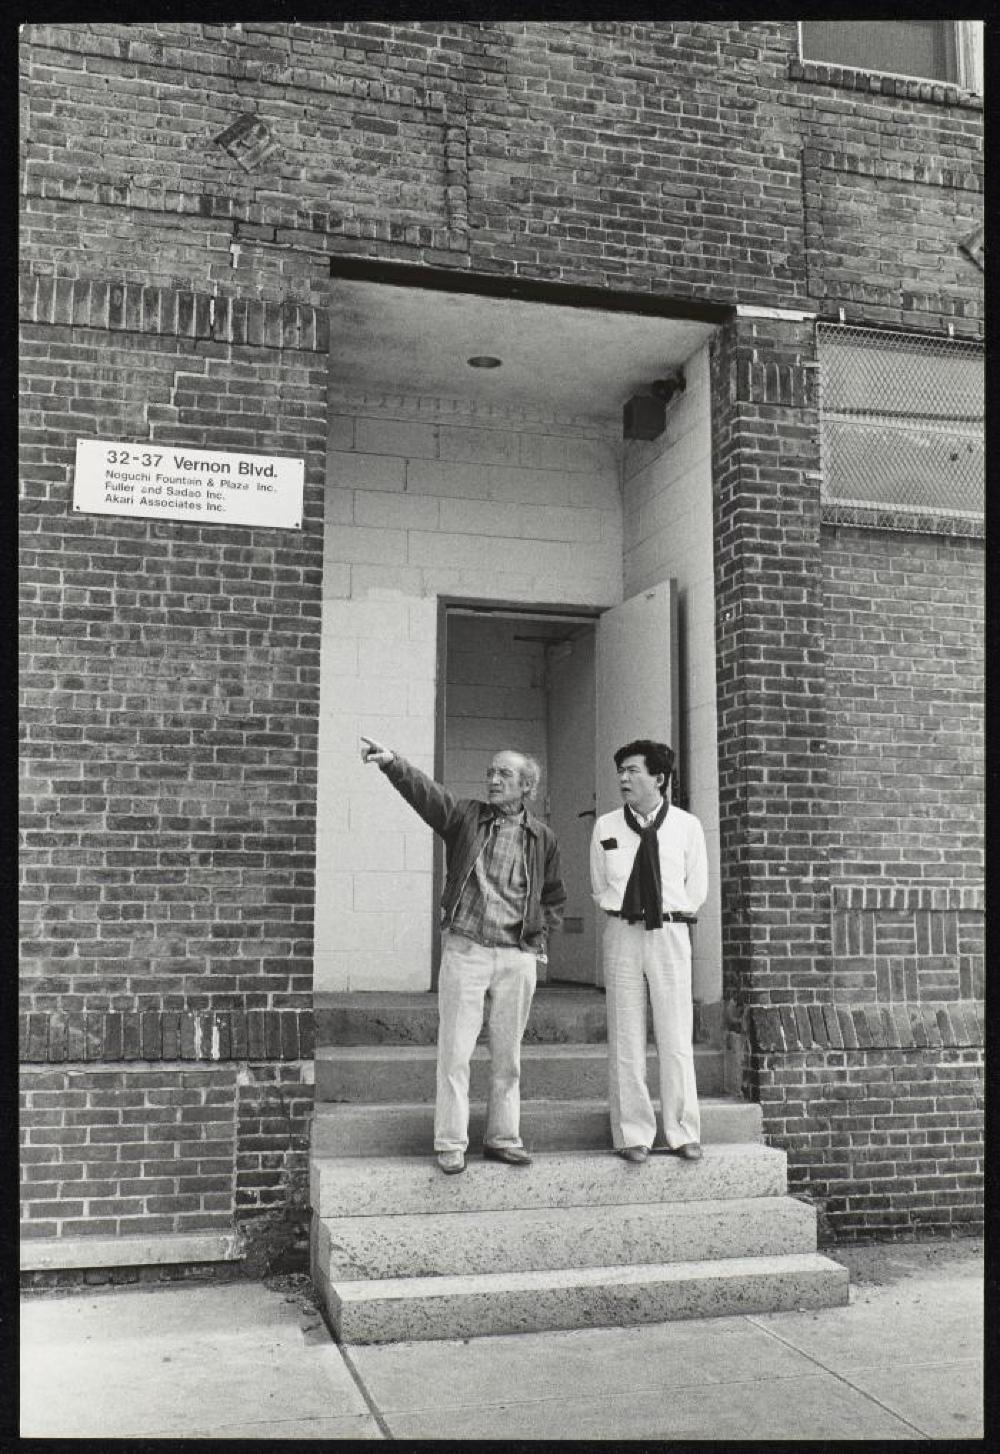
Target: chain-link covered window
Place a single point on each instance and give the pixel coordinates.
(901, 425)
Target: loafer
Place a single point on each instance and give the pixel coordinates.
(451, 1162)
(690, 1151)
(634, 1153)
(509, 1155)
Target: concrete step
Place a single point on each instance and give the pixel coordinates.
(384, 1017)
(559, 1014)
(378, 1187)
(533, 1239)
(406, 1128)
(364, 1074)
(481, 1304)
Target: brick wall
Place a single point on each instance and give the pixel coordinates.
(884, 1133)
(169, 686)
(905, 649)
(157, 1149)
(876, 1089)
(769, 650)
(699, 158)
(183, 190)
(891, 177)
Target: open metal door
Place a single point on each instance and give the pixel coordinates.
(570, 674)
(636, 680)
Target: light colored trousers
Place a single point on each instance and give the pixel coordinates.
(468, 970)
(635, 956)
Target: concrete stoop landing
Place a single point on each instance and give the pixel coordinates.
(579, 1238)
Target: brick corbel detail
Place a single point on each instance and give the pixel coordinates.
(899, 1026)
(874, 83)
(901, 900)
(172, 313)
(109, 1037)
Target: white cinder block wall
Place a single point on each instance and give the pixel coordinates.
(428, 498)
(668, 533)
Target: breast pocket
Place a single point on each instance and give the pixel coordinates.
(617, 865)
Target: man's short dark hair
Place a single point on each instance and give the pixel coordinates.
(658, 757)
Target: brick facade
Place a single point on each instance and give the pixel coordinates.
(184, 189)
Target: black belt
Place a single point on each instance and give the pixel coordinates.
(670, 916)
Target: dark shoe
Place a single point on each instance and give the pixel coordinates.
(634, 1153)
(451, 1162)
(509, 1155)
(691, 1151)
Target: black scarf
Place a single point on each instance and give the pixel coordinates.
(643, 897)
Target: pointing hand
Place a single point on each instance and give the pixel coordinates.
(373, 751)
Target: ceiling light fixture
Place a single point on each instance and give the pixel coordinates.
(484, 361)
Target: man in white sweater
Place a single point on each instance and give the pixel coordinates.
(649, 873)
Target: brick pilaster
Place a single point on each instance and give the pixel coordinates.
(769, 641)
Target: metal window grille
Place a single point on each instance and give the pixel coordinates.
(901, 431)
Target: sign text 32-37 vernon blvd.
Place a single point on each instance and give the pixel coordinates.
(165, 482)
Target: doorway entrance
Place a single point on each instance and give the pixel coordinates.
(524, 681)
(568, 687)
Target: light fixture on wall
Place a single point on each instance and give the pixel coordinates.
(644, 416)
(484, 361)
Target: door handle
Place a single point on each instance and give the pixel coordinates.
(588, 813)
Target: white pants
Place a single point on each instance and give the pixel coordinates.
(633, 957)
(468, 970)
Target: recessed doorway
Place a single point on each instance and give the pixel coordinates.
(512, 679)
(568, 687)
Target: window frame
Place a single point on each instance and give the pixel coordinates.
(967, 39)
(939, 518)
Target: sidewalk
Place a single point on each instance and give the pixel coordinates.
(246, 1360)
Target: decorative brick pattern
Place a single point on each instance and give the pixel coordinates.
(861, 1027)
(873, 83)
(923, 955)
(166, 1035)
(134, 308)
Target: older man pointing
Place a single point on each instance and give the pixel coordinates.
(503, 895)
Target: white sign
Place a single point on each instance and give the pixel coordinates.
(166, 482)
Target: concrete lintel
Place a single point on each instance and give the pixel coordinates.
(58, 1254)
(789, 315)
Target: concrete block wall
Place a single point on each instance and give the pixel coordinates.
(428, 498)
(668, 534)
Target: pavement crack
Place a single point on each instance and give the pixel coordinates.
(362, 1388)
(816, 1362)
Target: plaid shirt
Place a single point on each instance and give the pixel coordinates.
(490, 909)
